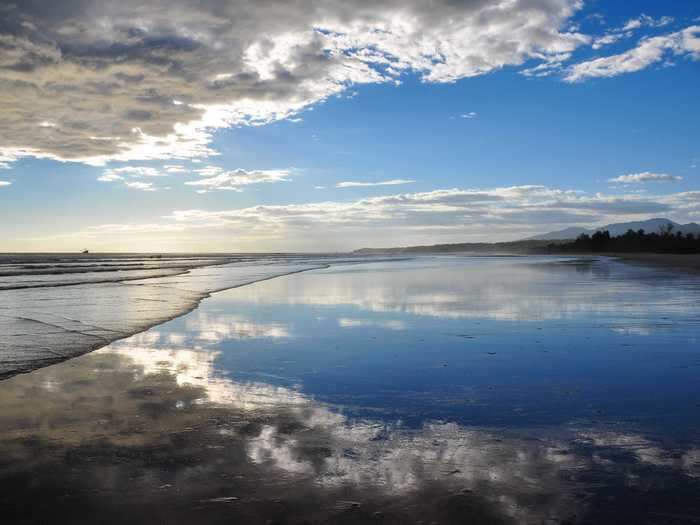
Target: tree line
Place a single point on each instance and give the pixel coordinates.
(663, 241)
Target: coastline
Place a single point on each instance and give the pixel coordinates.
(45, 325)
(40, 336)
(684, 262)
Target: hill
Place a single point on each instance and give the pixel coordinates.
(500, 248)
(618, 229)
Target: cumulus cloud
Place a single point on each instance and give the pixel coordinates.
(130, 80)
(130, 172)
(449, 215)
(606, 40)
(144, 186)
(639, 178)
(114, 174)
(457, 209)
(5, 183)
(174, 168)
(470, 115)
(217, 179)
(357, 184)
(649, 51)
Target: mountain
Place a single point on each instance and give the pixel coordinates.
(537, 244)
(617, 229)
(484, 248)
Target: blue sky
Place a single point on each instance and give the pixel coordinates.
(391, 128)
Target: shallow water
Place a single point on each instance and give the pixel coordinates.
(447, 390)
(54, 307)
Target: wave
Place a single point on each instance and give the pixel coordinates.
(45, 320)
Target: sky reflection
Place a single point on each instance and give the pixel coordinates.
(263, 403)
(505, 288)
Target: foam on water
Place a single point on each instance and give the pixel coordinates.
(53, 307)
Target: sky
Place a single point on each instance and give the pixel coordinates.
(303, 125)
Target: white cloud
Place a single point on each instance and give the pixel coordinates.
(646, 21)
(131, 171)
(110, 177)
(356, 184)
(5, 183)
(450, 215)
(156, 85)
(685, 43)
(470, 115)
(639, 178)
(135, 172)
(175, 168)
(144, 186)
(233, 180)
(628, 30)
(606, 40)
(209, 171)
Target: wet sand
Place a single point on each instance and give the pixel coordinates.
(139, 435)
(447, 390)
(671, 261)
(54, 307)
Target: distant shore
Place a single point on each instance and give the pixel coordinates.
(688, 262)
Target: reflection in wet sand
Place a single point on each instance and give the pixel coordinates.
(44, 325)
(507, 289)
(141, 426)
(248, 409)
(217, 328)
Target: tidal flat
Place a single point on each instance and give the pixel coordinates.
(534, 390)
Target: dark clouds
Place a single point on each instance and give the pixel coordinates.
(96, 80)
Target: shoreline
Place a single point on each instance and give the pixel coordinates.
(684, 262)
(87, 335)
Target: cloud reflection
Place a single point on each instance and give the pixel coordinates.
(505, 289)
(526, 479)
(214, 328)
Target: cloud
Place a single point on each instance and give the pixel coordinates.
(98, 81)
(209, 171)
(448, 215)
(233, 180)
(685, 43)
(357, 184)
(470, 115)
(646, 21)
(130, 171)
(110, 177)
(606, 40)
(453, 209)
(627, 30)
(174, 168)
(5, 183)
(123, 174)
(639, 178)
(144, 186)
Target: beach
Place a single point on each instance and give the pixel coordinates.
(672, 261)
(53, 307)
(336, 390)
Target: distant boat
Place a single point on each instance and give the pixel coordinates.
(85, 251)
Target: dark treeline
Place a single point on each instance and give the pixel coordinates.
(665, 241)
